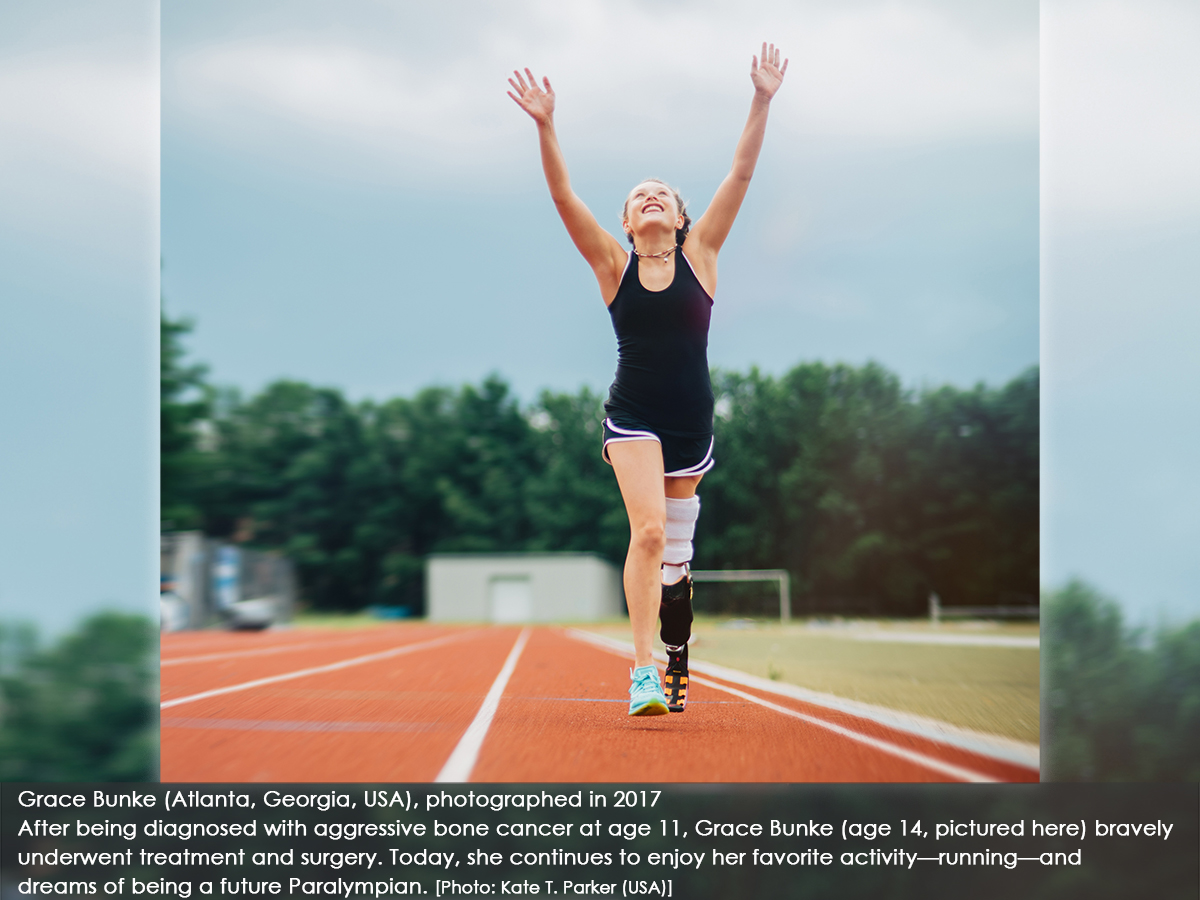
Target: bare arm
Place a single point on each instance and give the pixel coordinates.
(709, 233)
(601, 250)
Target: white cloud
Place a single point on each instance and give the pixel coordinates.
(879, 70)
(897, 71)
(77, 108)
(1121, 112)
(81, 139)
(329, 88)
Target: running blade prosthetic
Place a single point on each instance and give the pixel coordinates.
(676, 679)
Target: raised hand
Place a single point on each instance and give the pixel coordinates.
(769, 76)
(534, 100)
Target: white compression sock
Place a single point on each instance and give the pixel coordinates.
(671, 574)
(681, 526)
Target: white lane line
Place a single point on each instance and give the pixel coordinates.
(316, 670)
(231, 654)
(285, 725)
(912, 756)
(993, 747)
(272, 648)
(458, 767)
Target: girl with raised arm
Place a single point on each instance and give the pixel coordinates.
(658, 434)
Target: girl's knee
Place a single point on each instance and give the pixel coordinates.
(648, 537)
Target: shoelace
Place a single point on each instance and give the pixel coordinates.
(645, 681)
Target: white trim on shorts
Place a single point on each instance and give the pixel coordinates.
(699, 468)
(634, 435)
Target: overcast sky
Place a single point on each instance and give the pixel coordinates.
(349, 197)
(354, 201)
(78, 301)
(1121, 300)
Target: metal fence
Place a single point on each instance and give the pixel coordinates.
(739, 599)
(937, 612)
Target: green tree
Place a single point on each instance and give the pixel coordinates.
(868, 494)
(972, 472)
(453, 465)
(872, 496)
(1117, 705)
(83, 709)
(184, 402)
(293, 471)
(1174, 704)
(572, 498)
(359, 495)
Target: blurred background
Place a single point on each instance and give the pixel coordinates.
(1120, 216)
(79, 264)
(357, 245)
(406, 356)
(351, 202)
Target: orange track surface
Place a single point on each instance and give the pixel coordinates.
(562, 716)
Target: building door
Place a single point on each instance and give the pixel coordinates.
(510, 598)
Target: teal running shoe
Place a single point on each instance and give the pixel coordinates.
(646, 697)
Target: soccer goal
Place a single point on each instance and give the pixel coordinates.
(777, 575)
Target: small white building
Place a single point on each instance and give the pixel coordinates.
(522, 587)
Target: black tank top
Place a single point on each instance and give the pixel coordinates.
(662, 352)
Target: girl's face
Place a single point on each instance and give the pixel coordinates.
(651, 204)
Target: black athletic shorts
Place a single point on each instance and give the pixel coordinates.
(682, 455)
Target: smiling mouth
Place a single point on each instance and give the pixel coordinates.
(650, 206)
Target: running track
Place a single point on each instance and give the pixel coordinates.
(423, 702)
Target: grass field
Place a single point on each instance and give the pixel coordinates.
(975, 685)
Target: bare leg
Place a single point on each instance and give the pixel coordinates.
(639, 469)
(680, 487)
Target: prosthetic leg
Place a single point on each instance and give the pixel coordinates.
(675, 610)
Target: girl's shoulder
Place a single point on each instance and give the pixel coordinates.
(628, 270)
